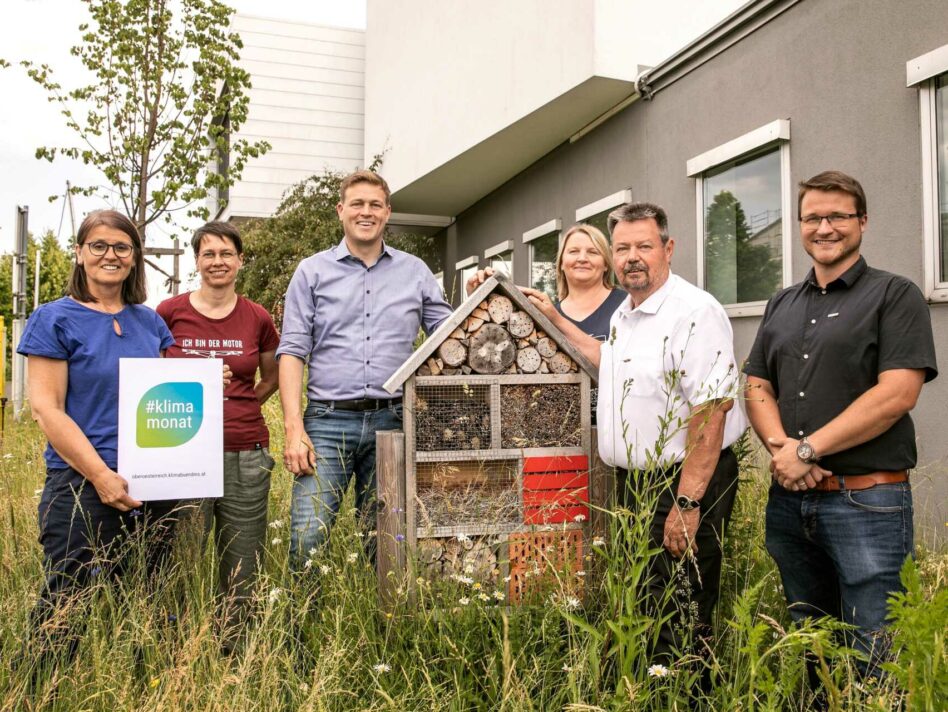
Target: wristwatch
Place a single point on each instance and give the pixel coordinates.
(686, 503)
(806, 453)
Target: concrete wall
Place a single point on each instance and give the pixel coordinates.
(836, 70)
(307, 100)
(446, 77)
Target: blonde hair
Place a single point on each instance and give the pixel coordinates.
(599, 242)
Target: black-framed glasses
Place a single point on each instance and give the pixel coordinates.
(834, 219)
(119, 249)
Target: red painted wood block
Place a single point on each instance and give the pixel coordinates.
(563, 463)
(556, 480)
(554, 515)
(547, 498)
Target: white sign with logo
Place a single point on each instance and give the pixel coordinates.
(171, 427)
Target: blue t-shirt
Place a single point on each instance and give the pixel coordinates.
(86, 339)
(597, 323)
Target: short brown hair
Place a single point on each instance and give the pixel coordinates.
(833, 180)
(133, 288)
(601, 244)
(221, 229)
(364, 176)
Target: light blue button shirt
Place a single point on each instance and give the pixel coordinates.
(354, 325)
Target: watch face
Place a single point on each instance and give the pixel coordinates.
(804, 451)
(685, 503)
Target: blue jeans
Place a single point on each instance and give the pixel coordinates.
(345, 447)
(839, 555)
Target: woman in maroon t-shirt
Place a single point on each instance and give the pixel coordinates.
(216, 322)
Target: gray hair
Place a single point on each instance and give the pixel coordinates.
(632, 212)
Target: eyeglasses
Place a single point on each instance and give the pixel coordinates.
(226, 255)
(119, 249)
(833, 219)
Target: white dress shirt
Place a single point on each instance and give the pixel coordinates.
(672, 353)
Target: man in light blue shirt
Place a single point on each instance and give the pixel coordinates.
(352, 314)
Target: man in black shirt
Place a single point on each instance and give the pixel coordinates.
(838, 363)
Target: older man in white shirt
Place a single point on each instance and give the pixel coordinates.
(668, 381)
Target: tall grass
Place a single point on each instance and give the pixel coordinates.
(321, 641)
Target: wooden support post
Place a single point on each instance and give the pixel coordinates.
(602, 489)
(390, 526)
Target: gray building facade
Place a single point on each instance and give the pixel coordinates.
(776, 93)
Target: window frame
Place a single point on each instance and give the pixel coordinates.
(500, 248)
(775, 134)
(924, 72)
(606, 203)
(459, 267)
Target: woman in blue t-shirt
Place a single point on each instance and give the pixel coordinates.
(73, 346)
(584, 281)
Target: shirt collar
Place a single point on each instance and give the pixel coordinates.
(846, 280)
(341, 251)
(653, 303)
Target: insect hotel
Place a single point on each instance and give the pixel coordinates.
(491, 477)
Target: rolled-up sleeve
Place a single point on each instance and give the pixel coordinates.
(299, 311)
(434, 308)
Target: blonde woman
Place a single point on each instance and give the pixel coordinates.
(584, 281)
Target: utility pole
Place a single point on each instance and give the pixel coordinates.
(36, 280)
(19, 308)
(72, 215)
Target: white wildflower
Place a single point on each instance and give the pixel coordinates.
(463, 537)
(351, 557)
(275, 593)
(658, 671)
(467, 580)
(507, 579)
(599, 541)
(304, 687)
(308, 565)
(567, 668)
(483, 596)
(579, 518)
(276, 541)
(324, 569)
(580, 574)
(312, 551)
(382, 667)
(469, 569)
(499, 595)
(275, 524)
(571, 603)
(464, 600)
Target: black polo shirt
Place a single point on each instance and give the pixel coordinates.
(821, 349)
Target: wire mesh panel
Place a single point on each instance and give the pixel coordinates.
(540, 415)
(485, 493)
(452, 417)
(544, 564)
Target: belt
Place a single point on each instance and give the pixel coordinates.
(860, 482)
(361, 404)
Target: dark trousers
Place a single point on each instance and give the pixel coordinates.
(697, 580)
(85, 541)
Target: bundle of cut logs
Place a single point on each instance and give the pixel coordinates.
(496, 338)
(474, 557)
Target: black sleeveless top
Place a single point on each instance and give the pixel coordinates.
(597, 323)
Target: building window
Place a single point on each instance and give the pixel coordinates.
(500, 257)
(543, 243)
(464, 270)
(930, 73)
(744, 218)
(597, 213)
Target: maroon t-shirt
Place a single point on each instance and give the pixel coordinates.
(239, 339)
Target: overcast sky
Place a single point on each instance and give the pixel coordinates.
(43, 31)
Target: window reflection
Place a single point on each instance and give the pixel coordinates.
(743, 229)
(543, 263)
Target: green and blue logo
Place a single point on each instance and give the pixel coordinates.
(170, 414)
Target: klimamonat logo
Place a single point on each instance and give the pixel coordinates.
(170, 414)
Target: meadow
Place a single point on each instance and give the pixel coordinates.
(322, 642)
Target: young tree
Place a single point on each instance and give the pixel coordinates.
(305, 223)
(165, 97)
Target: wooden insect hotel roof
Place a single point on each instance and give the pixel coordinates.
(498, 283)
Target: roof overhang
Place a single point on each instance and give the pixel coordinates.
(460, 182)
